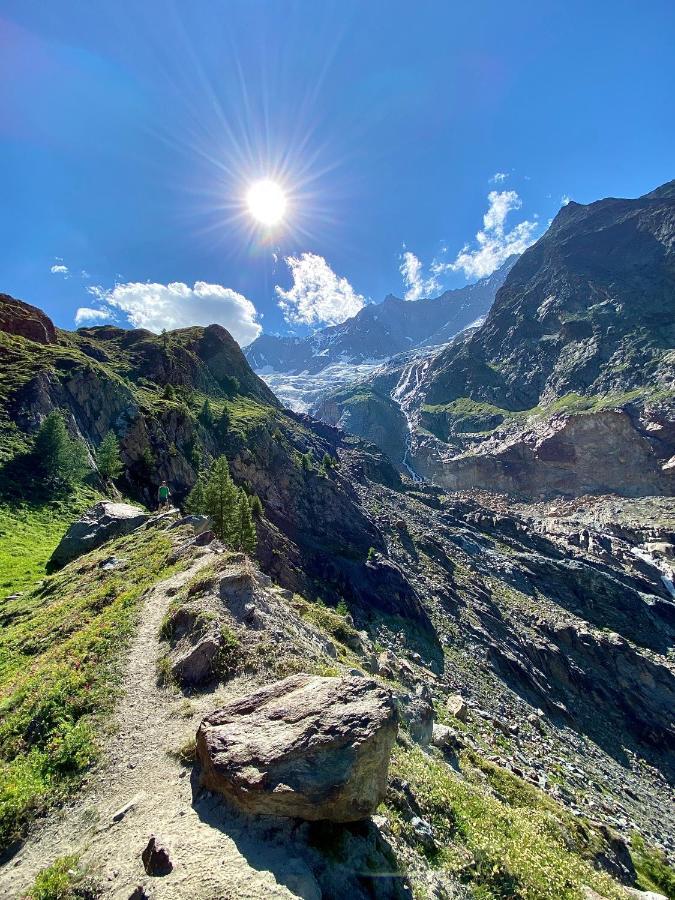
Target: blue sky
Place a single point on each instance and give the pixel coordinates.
(130, 133)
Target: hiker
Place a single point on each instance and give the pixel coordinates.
(163, 495)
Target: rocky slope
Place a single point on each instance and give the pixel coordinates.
(301, 370)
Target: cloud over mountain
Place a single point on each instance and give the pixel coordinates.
(177, 305)
(317, 295)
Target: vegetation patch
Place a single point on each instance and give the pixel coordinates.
(653, 871)
(58, 648)
(518, 844)
(63, 880)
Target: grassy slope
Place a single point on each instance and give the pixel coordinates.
(497, 833)
(58, 647)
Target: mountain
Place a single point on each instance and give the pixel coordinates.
(376, 333)
(523, 651)
(568, 385)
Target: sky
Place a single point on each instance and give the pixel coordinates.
(415, 146)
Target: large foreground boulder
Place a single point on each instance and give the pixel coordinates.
(309, 747)
(101, 523)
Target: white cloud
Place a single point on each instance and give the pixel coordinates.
(565, 199)
(317, 295)
(59, 269)
(85, 314)
(176, 305)
(417, 284)
(495, 243)
(499, 177)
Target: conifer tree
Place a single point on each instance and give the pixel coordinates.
(247, 532)
(196, 500)
(256, 506)
(61, 461)
(169, 392)
(108, 457)
(221, 502)
(206, 417)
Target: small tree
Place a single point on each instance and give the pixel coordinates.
(247, 532)
(108, 458)
(221, 501)
(196, 500)
(169, 392)
(223, 423)
(61, 461)
(256, 506)
(206, 417)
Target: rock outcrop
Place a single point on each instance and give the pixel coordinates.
(101, 523)
(24, 320)
(308, 747)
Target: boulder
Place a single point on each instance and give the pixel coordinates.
(457, 707)
(101, 523)
(307, 746)
(418, 714)
(193, 664)
(445, 738)
(24, 320)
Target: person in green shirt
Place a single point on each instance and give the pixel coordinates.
(163, 495)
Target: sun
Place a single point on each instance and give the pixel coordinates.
(266, 202)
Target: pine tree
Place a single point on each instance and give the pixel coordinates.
(256, 506)
(247, 532)
(196, 500)
(169, 392)
(221, 501)
(61, 461)
(206, 417)
(108, 458)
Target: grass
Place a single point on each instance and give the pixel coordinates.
(58, 647)
(654, 873)
(514, 843)
(29, 534)
(63, 880)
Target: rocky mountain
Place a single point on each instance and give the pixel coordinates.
(299, 370)
(568, 385)
(476, 691)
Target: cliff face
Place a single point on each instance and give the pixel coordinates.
(589, 309)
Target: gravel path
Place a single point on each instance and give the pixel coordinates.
(216, 853)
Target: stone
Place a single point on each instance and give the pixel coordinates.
(199, 523)
(637, 894)
(157, 858)
(445, 738)
(308, 746)
(101, 523)
(193, 664)
(457, 707)
(204, 538)
(418, 714)
(139, 893)
(423, 832)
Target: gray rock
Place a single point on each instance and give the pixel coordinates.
(445, 738)
(418, 714)
(308, 747)
(193, 664)
(101, 523)
(423, 832)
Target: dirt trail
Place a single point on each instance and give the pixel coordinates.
(216, 853)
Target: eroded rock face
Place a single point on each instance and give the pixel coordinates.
(101, 523)
(17, 317)
(308, 747)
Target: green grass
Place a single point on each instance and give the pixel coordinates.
(58, 649)
(63, 880)
(654, 873)
(29, 534)
(513, 843)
